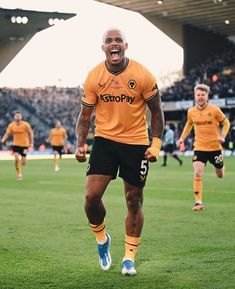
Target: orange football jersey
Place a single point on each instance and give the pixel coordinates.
(20, 133)
(58, 136)
(206, 126)
(120, 101)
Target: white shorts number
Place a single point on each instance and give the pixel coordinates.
(218, 159)
(144, 167)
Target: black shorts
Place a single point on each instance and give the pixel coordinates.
(58, 149)
(169, 148)
(20, 150)
(108, 157)
(214, 157)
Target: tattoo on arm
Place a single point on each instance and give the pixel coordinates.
(157, 116)
(83, 125)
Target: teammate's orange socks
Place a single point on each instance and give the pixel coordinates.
(18, 168)
(197, 186)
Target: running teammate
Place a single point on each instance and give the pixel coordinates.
(206, 119)
(23, 138)
(57, 138)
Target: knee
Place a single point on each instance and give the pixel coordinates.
(92, 200)
(198, 173)
(134, 203)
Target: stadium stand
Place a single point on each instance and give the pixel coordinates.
(218, 71)
(41, 107)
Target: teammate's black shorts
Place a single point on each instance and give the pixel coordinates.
(20, 150)
(169, 148)
(58, 149)
(214, 157)
(108, 157)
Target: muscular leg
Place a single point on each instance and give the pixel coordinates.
(94, 207)
(17, 164)
(95, 211)
(219, 172)
(23, 160)
(134, 218)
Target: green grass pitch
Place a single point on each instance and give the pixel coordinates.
(45, 241)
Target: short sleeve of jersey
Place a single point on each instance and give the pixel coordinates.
(89, 95)
(150, 87)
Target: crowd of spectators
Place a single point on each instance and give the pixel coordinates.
(217, 71)
(41, 107)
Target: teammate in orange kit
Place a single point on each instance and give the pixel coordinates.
(120, 89)
(206, 119)
(57, 137)
(23, 138)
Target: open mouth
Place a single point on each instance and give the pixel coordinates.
(115, 54)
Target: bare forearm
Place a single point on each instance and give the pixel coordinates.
(82, 128)
(188, 127)
(157, 117)
(5, 137)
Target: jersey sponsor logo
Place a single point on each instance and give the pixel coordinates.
(205, 122)
(132, 84)
(117, 98)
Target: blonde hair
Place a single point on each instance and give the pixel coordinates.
(202, 87)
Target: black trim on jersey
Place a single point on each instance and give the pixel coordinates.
(152, 97)
(87, 104)
(120, 71)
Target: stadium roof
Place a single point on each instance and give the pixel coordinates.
(210, 15)
(18, 26)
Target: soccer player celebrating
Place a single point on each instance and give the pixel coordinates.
(206, 119)
(23, 138)
(120, 89)
(57, 138)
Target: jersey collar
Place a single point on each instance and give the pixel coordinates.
(120, 71)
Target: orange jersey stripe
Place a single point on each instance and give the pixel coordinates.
(120, 101)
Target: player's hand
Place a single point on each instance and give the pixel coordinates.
(179, 142)
(152, 153)
(80, 154)
(221, 139)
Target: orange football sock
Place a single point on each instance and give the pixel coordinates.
(99, 231)
(197, 186)
(131, 247)
(18, 168)
(56, 161)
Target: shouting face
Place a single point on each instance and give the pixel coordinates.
(114, 47)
